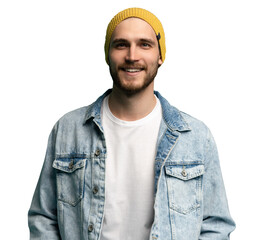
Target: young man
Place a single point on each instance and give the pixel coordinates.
(130, 165)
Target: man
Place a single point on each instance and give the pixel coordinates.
(130, 165)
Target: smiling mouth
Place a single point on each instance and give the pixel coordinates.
(132, 70)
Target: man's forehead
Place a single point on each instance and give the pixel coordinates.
(134, 28)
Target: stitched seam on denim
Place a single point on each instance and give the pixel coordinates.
(189, 210)
(186, 163)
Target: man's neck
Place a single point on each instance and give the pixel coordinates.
(132, 107)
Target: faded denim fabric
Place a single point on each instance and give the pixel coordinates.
(190, 199)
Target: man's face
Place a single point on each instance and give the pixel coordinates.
(134, 55)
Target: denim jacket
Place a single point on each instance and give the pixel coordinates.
(189, 201)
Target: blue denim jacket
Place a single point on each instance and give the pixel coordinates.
(190, 199)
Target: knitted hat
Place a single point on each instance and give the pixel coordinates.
(143, 14)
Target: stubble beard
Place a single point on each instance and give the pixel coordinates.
(129, 88)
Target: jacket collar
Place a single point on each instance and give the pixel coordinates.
(171, 115)
(94, 110)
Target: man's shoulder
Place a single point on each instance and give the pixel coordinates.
(191, 120)
(80, 115)
(198, 127)
(177, 119)
(74, 116)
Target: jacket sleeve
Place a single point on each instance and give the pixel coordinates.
(42, 215)
(217, 222)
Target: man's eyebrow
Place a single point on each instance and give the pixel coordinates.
(119, 40)
(123, 40)
(148, 40)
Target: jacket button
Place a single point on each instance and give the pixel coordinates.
(97, 153)
(184, 173)
(71, 164)
(95, 190)
(90, 228)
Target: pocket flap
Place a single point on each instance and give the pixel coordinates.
(184, 172)
(68, 165)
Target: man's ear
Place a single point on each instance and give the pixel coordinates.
(160, 62)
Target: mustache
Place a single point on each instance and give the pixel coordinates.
(133, 65)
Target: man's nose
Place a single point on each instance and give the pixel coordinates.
(132, 54)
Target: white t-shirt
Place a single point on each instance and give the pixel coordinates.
(129, 199)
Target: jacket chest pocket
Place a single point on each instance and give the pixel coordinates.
(184, 185)
(70, 179)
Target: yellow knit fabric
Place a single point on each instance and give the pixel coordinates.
(138, 13)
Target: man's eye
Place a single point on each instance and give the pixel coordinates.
(120, 45)
(145, 45)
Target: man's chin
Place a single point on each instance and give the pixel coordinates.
(131, 89)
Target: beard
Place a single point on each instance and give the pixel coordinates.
(127, 86)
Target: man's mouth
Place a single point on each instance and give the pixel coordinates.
(132, 70)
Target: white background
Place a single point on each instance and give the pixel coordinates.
(52, 61)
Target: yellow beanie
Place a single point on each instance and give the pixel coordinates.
(143, 14)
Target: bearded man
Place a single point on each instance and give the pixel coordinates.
(130, 166)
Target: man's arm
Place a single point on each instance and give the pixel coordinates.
(42, 215)
(217, 222)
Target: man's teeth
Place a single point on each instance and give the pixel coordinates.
(132, 70)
